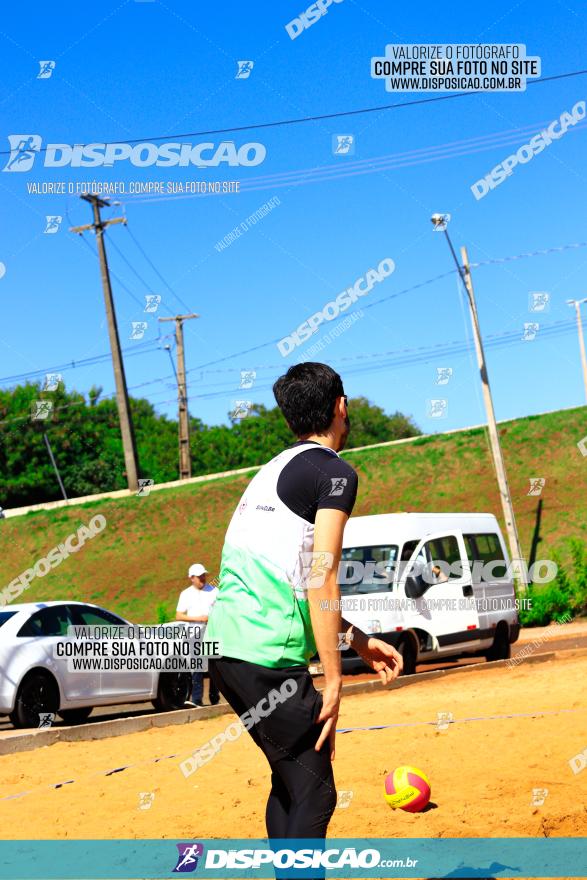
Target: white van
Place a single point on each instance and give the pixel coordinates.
(431, 584)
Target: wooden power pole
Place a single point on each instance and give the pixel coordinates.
(126, 428)
(577, 303)
(185, 460)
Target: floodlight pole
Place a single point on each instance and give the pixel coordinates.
(502, 481)
(577, 303)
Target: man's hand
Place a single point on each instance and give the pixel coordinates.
(380, 656)
(329, 714)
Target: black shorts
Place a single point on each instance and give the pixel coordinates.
(303, 795)
(291, 725)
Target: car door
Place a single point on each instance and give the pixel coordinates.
(118, 683)
(446, 608)
(39, 636)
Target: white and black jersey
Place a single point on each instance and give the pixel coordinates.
(317, 478)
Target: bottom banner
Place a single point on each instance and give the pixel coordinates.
(354, 857)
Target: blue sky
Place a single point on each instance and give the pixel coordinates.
(137, 70)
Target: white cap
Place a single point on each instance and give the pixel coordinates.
(197, 570)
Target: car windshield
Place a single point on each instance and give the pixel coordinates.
(6, 615)
(368, 569)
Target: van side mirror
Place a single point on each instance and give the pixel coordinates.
(415, 586)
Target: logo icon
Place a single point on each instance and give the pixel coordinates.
(46, 719)
(187, 860)
(443, 720)
(146, 799)
(316, 565)
(46, 69)
(539, 301)
(138, 329)
(441, 221)
(537, 484)
(52, 381)
(53, 224)
(344, 799)
(343, 144)
(443, 375)
(344, 643)
(244, 69)
(23, 148)
(338, 485)
(438, 408)
(539, 795)
(241, 409)
(41, 409)
(530, 331)
(145, 487)
(153, 301)
(247, 378)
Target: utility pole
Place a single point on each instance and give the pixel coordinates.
(504, 492)
(126, 427)
(185, 460)
(577, 304)
(55, 468)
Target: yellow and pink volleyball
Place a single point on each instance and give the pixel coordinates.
(407, 788)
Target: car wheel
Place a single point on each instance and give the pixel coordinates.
(407, 649)
(37, 695)
(173, 690)
(76, 716)
(501, 648)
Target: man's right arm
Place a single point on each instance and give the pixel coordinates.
(179, 615)
(324, 601)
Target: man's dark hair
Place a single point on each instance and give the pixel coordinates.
(306, 395)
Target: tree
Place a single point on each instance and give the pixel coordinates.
(86, 442)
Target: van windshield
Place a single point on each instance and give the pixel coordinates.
(367, 569)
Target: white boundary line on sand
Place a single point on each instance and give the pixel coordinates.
(204, 478)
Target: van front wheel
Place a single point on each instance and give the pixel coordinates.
(501, 648)
(408, 651)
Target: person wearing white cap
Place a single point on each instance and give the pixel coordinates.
(194, 606)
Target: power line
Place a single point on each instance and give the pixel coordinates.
(156, 270)
(200, 367)
(398, 357)
(321, 117)
(131, 267)
(377, 164)
(540, 253)
(389, 359)
(82, 237)
(398, 293)
(142, 347)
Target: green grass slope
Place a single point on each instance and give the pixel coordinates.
(141, 558)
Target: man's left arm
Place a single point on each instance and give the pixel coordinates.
(381, 657)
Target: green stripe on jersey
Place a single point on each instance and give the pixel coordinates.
(258, 617)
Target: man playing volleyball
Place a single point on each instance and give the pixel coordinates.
(274, 610)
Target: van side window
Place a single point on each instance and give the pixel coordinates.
(485, 548)
(435, 561)
(446, 550)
